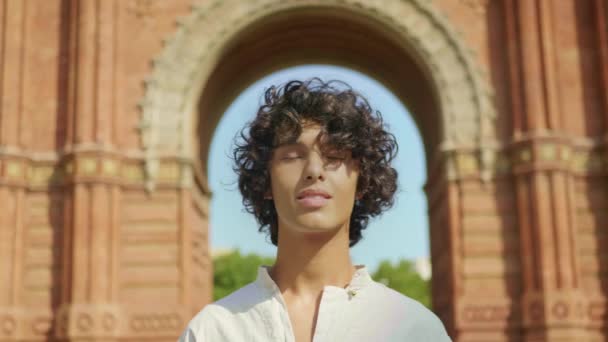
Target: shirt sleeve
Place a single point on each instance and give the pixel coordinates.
(187, 336)
(204, 327)
(434, 331)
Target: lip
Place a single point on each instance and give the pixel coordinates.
(313, 192)
(313, 198)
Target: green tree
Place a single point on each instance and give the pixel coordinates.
(403, 278)
(233, 271)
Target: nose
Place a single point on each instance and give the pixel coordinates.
(314, 168)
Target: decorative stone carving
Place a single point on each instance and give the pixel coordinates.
(103, 166)
(525, 155)
(41, 175)
(84, 322)
(596, 311)
(140, 8)
(13, 169)
(87, 321)
(155, 322)
(467, 164)
(88, 166)
(109, 167)
(172, 88)
(461, 164)
(560, 310)
(8, 324)
(548, 152)
(488, 313)
(535, 311)
(556, 308)
(108, 322)
(479, 6)
(42, 325)
(565, 154)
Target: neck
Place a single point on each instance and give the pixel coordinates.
(307, 262)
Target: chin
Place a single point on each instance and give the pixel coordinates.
(318, 224)
(316, 229)
(317, 234)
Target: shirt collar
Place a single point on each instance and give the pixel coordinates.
(361, 279)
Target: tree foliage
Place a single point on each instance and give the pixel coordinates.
(403, 278)
(233, 271)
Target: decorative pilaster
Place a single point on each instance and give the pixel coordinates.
(601, 26)
(89, 302)
(553, 303)
(14, 279)
(598, 306)
(473, 249)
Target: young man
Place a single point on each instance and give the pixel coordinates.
(313, 167)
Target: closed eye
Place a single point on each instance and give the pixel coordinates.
(336, 157)
(292, 155)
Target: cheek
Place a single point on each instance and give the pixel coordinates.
(352, 179)
(282, 182)
(347, 189)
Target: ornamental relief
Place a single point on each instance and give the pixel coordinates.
(478, 6)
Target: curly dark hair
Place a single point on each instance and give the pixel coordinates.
(347, 122)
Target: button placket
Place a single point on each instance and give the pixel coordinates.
(281, 307)
(327, 313)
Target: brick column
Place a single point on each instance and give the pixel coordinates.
(14, 140)
(132, 252)
(89, 295)
(598, 211)
(444, 233)
(553, 304)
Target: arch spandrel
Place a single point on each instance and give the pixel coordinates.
(190, 55)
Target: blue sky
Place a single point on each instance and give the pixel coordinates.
(401, 232)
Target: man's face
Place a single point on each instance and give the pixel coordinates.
(313, 191)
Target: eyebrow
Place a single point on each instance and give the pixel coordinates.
(293, 144)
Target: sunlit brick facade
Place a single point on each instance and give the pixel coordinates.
(107, 109)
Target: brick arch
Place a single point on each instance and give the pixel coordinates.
(186, 64)
(88, 254)
(197, 75)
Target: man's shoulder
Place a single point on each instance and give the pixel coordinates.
(243, 298)
(238, 301)
(419, 320)
(397, 300)
(230, 311)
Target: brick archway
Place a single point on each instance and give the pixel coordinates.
(105, 228)
(471, 183)
(416, 54)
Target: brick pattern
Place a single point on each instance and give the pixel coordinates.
(42, 249)
(149, 248)
(490, 239)
(104, 232)
(202, 270)
(591, 220)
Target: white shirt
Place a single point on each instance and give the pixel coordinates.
(363, 311)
